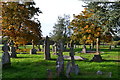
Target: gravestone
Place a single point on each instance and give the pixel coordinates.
(60, 61)
(97, 58)
(75, 68)
(60, 65)
(68, 69)
(33, 51)
(47, 49)
(5, 56)
(84, 49)
(13, 52)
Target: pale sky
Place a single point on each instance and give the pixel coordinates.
(53, 8)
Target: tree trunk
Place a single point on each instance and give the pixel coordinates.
(13, 50)
(84, 49)
(33, 50)
(33, 46)
(97, 46)
(92, 45)
(72, 54)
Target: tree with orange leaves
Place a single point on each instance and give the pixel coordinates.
(85, 28)
(17, 22)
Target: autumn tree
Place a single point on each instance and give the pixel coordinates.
(18, 22)
(86, 28)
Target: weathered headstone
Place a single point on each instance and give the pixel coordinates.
(60, 61)
(97, 58)
(68, 69)
(84, 49)
(60, 65)
(47, 49)
(5, 56)
(33, 51)
(13, 52)
(75, 68)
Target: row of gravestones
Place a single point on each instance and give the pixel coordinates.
(71, 66)
(6, 55)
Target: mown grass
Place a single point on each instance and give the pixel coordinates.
(28, 66)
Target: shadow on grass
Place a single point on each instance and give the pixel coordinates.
(53, 59)
(111, 60)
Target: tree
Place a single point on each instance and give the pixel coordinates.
(85, 28)
(61, 32)
(17, 22)
(103, 10)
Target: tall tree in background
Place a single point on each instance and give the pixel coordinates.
(85, 28)
(61, 31)
(107, 14)
(18, 22)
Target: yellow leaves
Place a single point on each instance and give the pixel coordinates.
(86, 27)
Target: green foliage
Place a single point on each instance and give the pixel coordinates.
(107, 15)
(61, 32)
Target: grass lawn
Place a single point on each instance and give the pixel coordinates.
(28, 66)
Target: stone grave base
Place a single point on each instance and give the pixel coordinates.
(75, 57)
(97, 58)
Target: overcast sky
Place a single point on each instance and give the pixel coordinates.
(53, 8)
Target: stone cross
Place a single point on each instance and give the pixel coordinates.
(47, 48)
(5, 56)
